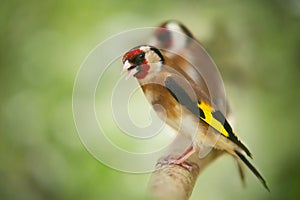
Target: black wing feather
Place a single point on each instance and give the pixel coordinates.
(220, 117)
(184, 99)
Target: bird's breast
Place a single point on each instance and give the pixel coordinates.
(163, 102)
(171, 112)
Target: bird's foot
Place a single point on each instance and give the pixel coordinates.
(172, 160)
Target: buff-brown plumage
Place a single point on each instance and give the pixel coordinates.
(180, 100)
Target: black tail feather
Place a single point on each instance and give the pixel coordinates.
(253, 169)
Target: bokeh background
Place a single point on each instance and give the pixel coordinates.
(255, 44)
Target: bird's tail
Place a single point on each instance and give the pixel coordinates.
(252, 168)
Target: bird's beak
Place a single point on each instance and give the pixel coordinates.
(131, 71)
(126, 66)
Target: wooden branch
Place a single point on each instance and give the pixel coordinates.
(172, 182)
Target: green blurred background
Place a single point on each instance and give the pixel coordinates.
(255, 44)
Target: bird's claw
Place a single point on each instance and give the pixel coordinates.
(171, 160)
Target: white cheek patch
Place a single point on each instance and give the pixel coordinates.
(154, 62)
(152, 57)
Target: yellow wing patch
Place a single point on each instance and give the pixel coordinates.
(209, 119)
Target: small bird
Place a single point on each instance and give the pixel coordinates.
(181, 46)
(185, 104)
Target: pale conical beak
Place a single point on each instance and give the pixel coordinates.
(131, 72)
(126, 66)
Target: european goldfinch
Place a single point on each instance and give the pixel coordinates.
(185, 104)
(181, 46)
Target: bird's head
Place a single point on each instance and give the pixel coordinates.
(170, 35)
(142, 61)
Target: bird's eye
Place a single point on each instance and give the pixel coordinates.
(141, 56)
(139, 59)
